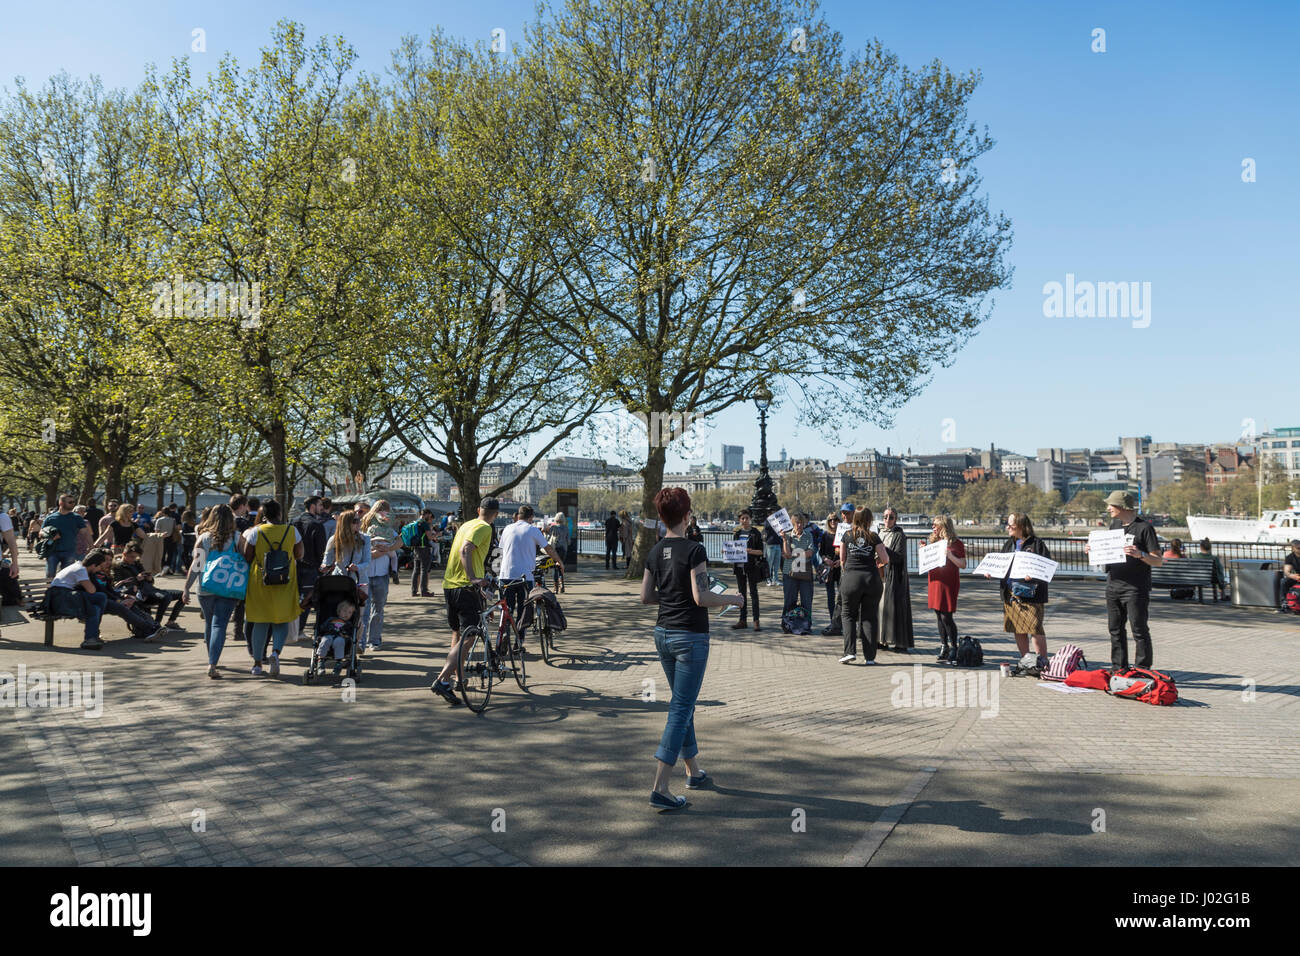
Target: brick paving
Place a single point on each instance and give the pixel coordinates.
(123, 788)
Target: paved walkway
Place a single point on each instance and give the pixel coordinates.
(815, 762)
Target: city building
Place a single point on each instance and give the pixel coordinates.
(1048, 474)
(1282, 447)
(872, 472)
(930, 478)
(1103, 483)
(733, 457)
(423, 480)
(1013, 467)
(1223, 463)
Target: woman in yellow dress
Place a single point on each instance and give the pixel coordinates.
(270, 607)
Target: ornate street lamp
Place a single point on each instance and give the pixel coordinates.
(764, 502)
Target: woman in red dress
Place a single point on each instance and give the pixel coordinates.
(945, 582)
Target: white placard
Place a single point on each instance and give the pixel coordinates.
(841, 530)
(780, 522)
(1106, 547)
(1026, 564)
(733, 552)
(996, 564)
(931, 556)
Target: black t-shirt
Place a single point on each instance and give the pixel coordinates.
(670, 562)
(862, 550)
(1134, 571)
(1291, 566)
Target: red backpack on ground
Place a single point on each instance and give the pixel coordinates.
(1097, 680)
(1144, 684)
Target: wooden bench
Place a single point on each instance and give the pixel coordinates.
(1193, 572)
(33, 598)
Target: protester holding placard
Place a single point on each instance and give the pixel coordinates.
(861, 555)
(1024, 600)
(944, 583)
(896, 602)
(747, 574)
(835, 628)
(1128, 583)
(797, 569)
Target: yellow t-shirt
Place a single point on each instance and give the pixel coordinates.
(478, 531)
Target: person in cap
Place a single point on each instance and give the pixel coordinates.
(1128, 584)
(836, 626)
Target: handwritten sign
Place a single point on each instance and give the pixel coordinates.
(733, 552)
(841, 530)
(780, 522)
(1026, 564)
(931, 556)
(996, 564)
(1106, 547)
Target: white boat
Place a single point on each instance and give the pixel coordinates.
(1275, 527)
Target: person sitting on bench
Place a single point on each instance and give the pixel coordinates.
(130, 576)
(1220, 579)
(72, 593)
(123, 605)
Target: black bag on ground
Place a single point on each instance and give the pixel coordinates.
(969, 653)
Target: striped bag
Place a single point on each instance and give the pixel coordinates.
(1066, 660)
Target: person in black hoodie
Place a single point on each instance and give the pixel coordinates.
(1022, 614)
(747, 573)
(612, 524)
(311, 526)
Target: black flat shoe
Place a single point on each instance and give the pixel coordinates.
(664, 804)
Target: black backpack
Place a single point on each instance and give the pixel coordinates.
(46, 540)
(275, 565)
(969, 653)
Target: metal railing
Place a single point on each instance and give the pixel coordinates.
(1067, 551)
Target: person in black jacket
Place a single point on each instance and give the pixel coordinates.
(1022, 614)
(1128, 583)
(612, 524)
(311, 526)
(747, 573)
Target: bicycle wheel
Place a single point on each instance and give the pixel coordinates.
(542, 632)
(516, 642)
(474, 669)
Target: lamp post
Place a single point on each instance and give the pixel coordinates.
(764, 501)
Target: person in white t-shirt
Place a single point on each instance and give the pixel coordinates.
(520, 542)
(73, 594)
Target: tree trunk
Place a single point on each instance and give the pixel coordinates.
(161, 493)
(279, 463)
(52, 493)
(90, 480)
(470, 496)
(192, 496)
(652, 480)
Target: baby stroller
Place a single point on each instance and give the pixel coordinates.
(332, 590)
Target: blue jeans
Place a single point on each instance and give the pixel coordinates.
(278, 632)
(372, 614)
(216, 617)
(773, 562)
(89, 607)
(56, 561)
(798, 592)
(684, 655)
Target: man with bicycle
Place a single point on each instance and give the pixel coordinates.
(520, 543)
(460, 587)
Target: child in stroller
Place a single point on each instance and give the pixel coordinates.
(337, 602)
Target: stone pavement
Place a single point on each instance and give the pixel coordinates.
(815, 763)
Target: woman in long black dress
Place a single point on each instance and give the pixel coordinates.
(896, 602)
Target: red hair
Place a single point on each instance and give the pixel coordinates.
(672, 505)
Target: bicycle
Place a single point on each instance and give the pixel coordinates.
(541, 623)
(482, 661)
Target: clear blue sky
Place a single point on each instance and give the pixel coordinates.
(1115, 166)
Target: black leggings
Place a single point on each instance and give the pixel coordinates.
(860, 593)
(947, 628)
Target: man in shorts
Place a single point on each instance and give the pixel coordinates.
(460, 588)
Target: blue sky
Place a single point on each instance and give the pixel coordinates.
(1116, 166)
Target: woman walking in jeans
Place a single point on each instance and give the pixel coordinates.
(214, 536)
(677, 579)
